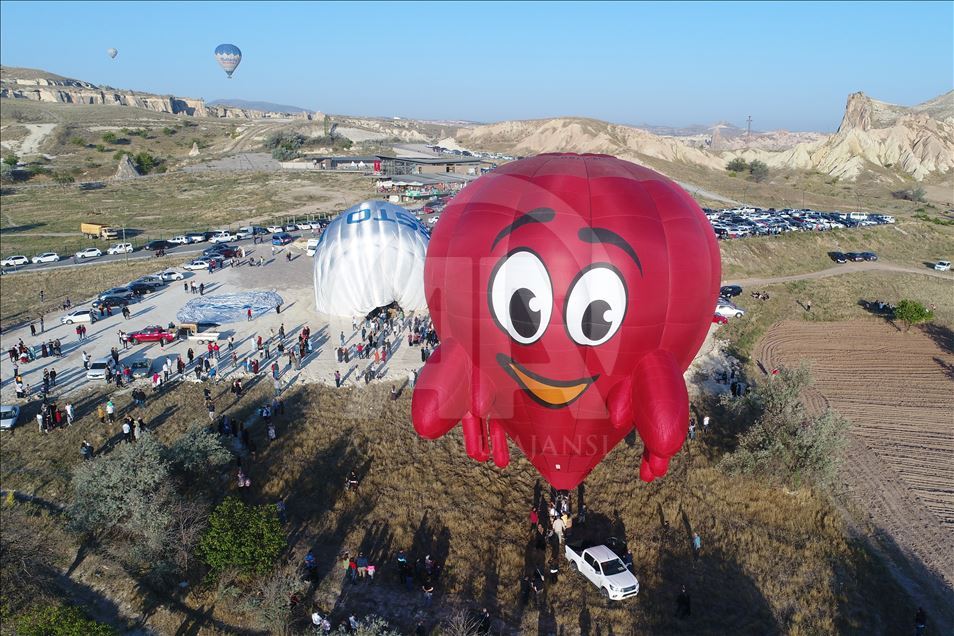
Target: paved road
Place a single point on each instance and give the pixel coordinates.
(185, 250)
(847, 268)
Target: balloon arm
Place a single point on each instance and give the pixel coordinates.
(442, 393)
(659, 405)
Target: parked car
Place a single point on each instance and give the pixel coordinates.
(14, 261)
(98, 369)
(124, 292)
(197, 237)
(274, 229)
(141, 289)
(151, 279)
(171, 275)
(856, 257)
(869, 256)
(729, 291)
(942, 266)
(197, 264)
(78, 315)
(719, 320)
(291, 227)
(120, 248)
(9, 414)
(110, 301)
(282, 238)
(303, 226)
(141, 368)
(155, 246)
(153, 333)
(838, 257)
(311, 247)
(179, 240)
(729, 310)
(603, 568)
(89, 252)
(46, 257)
(223, 236)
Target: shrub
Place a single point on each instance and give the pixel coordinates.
(119, 154)
(77, 141)
(168, 131)
(197, 454)
(759, 171)
(146, 163)
(63, 178)
(59, 620)
(101, 148)
(911, 312)
(109, 137)
(737, 165)
(11, 160)
(915, 194)
(248, 538)
(285, 145)
(786, 444)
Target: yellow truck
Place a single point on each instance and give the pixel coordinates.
(97, 230)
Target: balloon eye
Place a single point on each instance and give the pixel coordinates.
(596, 305)
(521, 297)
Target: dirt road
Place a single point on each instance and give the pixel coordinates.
(847, 268)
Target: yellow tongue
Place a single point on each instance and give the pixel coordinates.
(554, 395)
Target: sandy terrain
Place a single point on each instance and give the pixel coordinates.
(30, 145)
(896, 389)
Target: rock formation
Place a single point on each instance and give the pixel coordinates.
(126, 169)
(195, 149)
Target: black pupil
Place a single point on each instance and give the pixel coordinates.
(524, 320)
(594, 325)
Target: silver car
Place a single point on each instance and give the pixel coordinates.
(99, 368)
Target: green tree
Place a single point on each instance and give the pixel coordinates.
(786, 444)
(737, 165)
(198, 454)
(248, 538)
(59, 620)
(759, 171)
(11, 160)
(109, 137)
(911, 312)
(146, 163)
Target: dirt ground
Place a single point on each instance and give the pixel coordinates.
(896, 389)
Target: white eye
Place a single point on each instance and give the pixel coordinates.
(521, 296)
(596, 305)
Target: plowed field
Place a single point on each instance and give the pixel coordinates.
(897, 389)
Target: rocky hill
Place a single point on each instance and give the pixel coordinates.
(916, 140)
(35, 85)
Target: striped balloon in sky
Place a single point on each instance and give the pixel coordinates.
(228, 56)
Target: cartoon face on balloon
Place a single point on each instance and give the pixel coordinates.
(570, 293)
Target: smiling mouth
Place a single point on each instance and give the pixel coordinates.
(552, 394)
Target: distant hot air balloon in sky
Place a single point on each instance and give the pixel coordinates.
(111, 52)
(228, 56)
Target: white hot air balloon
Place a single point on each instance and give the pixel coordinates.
(112, 53)
(369, 256)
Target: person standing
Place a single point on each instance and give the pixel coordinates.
(337, 379)
(696, 544)
(127, 431)
(558, 528)
(52, 377)
(683, 604)
(920, 621)
(705, 425)
(110, 411)
(692, 429)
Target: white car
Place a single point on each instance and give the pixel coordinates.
(89, 252)
(180, 240)
(942, 266)
(14, 261)
(171, 275)
(244, 232)
(120, 248)
(46, 257)
(197, 264)
(604, 569)
(291, 227)
(223, 236)
(78, 315)
(196, 237)
(304, 226)
(98, 368)
(275, 229)
(729, 310)
(311, 246)
(8, 415)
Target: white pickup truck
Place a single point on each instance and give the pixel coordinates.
(603, 568)
(201, 332)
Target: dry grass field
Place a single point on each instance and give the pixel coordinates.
(771, 562)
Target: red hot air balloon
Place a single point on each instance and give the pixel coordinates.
(570, 293)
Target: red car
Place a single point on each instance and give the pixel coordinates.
(154, 333)
(719, 320)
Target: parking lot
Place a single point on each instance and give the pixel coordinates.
(742, 222)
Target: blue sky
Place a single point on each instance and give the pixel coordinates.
(788, 65)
